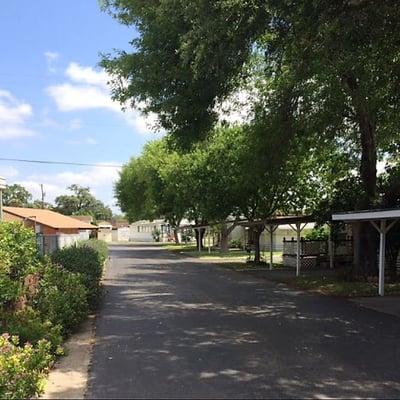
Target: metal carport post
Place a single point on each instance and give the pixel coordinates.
(271, 228)
(298, 228)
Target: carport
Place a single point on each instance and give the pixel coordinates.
(383, 221)
(296, 222)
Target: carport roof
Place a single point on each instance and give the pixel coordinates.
(367, 215)
(277, 220)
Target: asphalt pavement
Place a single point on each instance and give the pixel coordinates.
(175, 327)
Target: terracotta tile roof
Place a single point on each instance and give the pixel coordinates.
(49, 218)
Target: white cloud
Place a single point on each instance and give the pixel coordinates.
(87, 90)
(87, 75)
(87, 140)
(51, 55)
(14, 116)
(51, 58)
(8, 172)
(100, 181)
(70, 97)
(75, 124)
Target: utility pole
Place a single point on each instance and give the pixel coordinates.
(43, 194)
(3, 186)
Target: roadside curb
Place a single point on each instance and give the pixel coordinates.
(69, 376)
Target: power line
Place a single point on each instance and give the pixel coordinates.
(61, 163)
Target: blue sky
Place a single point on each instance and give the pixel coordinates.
(54, 102)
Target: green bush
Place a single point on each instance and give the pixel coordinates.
(87, 260)
(99, 245)
(62, 298)
(18, 258)
(318, 233)
(235, 244)
(22, 368)
(28, 325)
(18, 249)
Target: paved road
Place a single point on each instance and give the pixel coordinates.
(174, 327)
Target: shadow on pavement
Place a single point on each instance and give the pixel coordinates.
(172, 328)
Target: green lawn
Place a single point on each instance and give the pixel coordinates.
(191, 250)
(336, 287)
(328, 285)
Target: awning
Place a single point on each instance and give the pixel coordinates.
(382, 220)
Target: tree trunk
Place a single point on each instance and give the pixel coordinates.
(176, 237)
(224, 246)
(225, 232)
(199, 233)
(257, 231)
(365, 263)
(367, 126)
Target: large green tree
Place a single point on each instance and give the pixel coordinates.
(82, 202)
(16, 196)
(328, 68)
(147, 189)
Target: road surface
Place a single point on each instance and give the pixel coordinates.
(174, 327)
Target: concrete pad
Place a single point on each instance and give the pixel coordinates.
(68, 378)
(388, 305)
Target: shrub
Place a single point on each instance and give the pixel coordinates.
(88, 261)
(62, 298)
(318, 233)
(19, 249)
(235, 244)
(10, 289)
(156, 234)
(99, 245)
(28, 325)
(18, 258)
(22, 369)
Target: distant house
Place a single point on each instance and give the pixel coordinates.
(120, 231)
(142, 231)
(105, 231)
(53, 229)
(282, 232)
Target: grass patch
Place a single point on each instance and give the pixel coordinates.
(192, 250)
(242, 266)
(334, 287)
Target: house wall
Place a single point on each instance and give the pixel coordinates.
(105, 235)
(141, 231)
(283, 231)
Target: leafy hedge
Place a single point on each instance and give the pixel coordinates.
(18, 249)
(98, 245)
(87, 259)
(62, 298)
(40, 303)
(22, 368)
(30, 327)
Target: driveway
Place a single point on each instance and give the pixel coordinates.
(174, 327)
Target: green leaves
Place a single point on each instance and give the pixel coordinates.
(16, 196)
(82, 202)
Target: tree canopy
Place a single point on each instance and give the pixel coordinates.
(323, 78)
(82, 202)
(16, 196)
